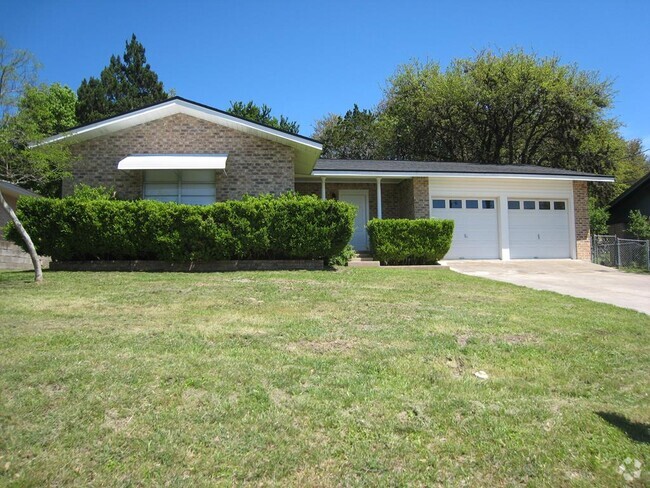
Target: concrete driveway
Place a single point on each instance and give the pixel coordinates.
(575, 278)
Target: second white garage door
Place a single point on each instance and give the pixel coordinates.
(476, 233)
(538, 229)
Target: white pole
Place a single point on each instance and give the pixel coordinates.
(323, 195)
(379, 198)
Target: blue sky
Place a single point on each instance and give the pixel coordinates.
(305, 59)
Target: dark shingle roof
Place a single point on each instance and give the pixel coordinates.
(352, 165)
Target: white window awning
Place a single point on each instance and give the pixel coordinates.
(173, 161)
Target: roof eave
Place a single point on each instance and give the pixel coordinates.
(415, 174)
(163, 108)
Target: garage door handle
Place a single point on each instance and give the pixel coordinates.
(465, 236)
(538, 236)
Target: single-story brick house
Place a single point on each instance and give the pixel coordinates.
(180, 150)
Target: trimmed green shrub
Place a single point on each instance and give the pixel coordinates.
(87, 192)
(343, 258)
(267, 227)
(404, 241)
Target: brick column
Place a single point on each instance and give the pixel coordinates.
(581, 209)
(421, 198)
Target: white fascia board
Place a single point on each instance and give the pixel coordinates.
(236, 122)
(172, 107)
(173, 161)
(113, 124)
(406, 174)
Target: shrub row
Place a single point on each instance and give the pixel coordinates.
(286, 227)
(403, 241)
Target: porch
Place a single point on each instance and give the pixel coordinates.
(380, 197)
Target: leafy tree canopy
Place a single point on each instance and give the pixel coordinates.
(18, 69)
(127, 83)
(262, 115)
(354, 136)
(504, 108)
(42, 111)
(632, 167)
(29, 114)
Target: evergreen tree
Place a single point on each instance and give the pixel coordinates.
(127, 83)
(262, 115)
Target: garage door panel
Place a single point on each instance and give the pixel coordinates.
(476, 233)
(539, 232)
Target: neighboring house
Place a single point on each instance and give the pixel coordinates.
(12, 256)
(183, 151)
(636, 197)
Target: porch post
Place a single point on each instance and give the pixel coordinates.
(323, 195)
(379, 198)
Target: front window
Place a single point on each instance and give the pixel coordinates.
(190, 186)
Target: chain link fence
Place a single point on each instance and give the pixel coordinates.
(620, 253)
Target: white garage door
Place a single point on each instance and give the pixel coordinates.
(538, 229)
(476, 234)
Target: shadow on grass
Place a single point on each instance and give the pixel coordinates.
(636, 431)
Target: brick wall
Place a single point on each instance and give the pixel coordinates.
(581, 207)
(390, 198)
(254, 165)
(414, 198)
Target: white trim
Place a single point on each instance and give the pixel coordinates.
(573, 242)
(379, 212)
(173, 161)
(503, 224)
(432, 174)
(172, 107)
(323, 192)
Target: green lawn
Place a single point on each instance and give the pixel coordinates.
(355, 377)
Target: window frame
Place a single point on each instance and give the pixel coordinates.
(149, 177)
(434, 200)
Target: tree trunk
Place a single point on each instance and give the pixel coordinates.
(38, 272)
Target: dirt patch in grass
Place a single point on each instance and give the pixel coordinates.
(456, 365)
(113, 420)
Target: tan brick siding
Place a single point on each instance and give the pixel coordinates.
(254, 165)
(581, 208)
(414, 198)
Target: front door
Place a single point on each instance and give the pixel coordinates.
(358, 198)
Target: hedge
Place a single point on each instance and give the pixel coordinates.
(404, 241)
(285, 227)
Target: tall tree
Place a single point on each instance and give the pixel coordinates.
(634, 165)
(42, 111)
(504, 108)
(356, 135)
(499, 108)
(127, 83)
(18, 69)
(262, 115)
